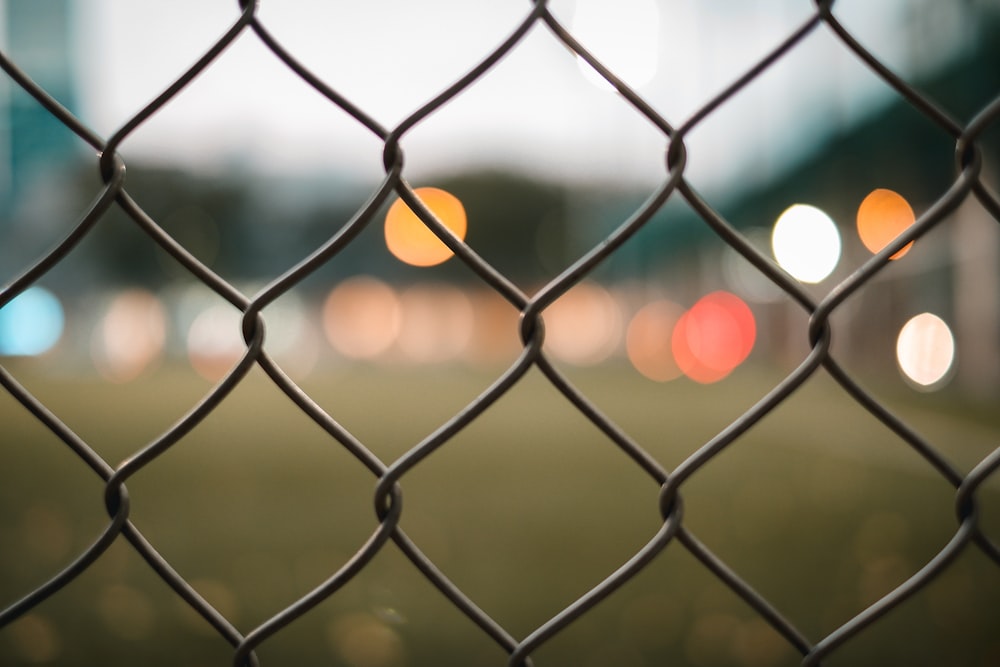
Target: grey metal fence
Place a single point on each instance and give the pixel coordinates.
(968, 186)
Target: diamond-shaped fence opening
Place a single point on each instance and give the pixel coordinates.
(706, 378)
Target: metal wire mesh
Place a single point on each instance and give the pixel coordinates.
(967, 185)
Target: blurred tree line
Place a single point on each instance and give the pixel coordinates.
(253, 228)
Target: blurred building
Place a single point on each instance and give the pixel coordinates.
(39, 39)
(37, 36)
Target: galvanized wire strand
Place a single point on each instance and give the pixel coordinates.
(753, 73)
(119, 525)
(353, 566)
(965, 503)
(96, 463)
(392, 158)
(470, 77)
(49, 103)
(389, 520)
(531, 323)
(747, 593)
(113, 184)
(183, 80)
(633, 98)
(186, 591)
(968, 184)
(317, 83)
(393, 162)
(532, 333)
(319, 257)
(113, 171)
(602, 590)
(896, 597)
(820, 330)
(967, 142)
(907, 91)
(819, 321)
(56, 254)
(399, 537)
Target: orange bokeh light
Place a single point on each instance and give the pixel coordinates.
(361, 317)
(583, 326)
(436, 323)
(714, 337)
(411, 241)
(882, 216)
(648, 340)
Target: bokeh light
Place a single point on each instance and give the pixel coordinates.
(495, 329)
(648, 340)
(31, 324)
(215, 342)
(882, 216)
(36, 639)
(363, 640)
(411, 241)
(925, 350)
(806, 243)
(624, 35)
(714, 337)
(437, 323)
(583, 326)
(292, 339)
(130, 336)
(362, 317)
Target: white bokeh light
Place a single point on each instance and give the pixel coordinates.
(806, 243)
(214, 341)
(925, 350)
(623, 35)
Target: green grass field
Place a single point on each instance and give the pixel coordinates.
(819, 507)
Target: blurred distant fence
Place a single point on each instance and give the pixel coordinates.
(968, 187)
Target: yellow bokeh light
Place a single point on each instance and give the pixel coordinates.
(925, 350)
(806, 243)
(411, 241)
(882, 216)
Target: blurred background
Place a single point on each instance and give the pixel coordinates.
(251, 169)
(817, 162)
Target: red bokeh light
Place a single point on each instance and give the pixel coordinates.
(714, 337)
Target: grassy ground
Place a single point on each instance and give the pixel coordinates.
(819, 507)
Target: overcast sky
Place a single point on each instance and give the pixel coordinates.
(536, 110)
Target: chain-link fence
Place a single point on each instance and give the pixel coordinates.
(826, 642)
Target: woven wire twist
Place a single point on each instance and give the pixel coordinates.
(390, 476)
